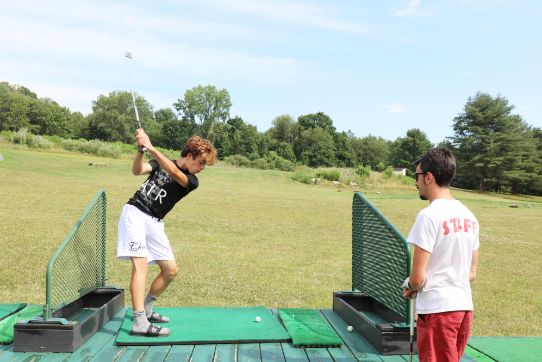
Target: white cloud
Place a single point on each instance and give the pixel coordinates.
(297, 13)
(412, 9)
(395, 108)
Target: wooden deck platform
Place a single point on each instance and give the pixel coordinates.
(101, 347)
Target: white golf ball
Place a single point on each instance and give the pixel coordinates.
(349, 328)
(258, 319)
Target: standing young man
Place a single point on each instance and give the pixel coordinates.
(141, 237)
(445, 236)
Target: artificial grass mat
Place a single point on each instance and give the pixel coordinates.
(7, 324)
(7, 309)
(511, 349)
(308, 328)
(202, 325)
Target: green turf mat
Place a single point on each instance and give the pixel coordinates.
(308, 328)
(202, 325)
(6, 324)
(511, 349)
(472, 354)
(7, 309)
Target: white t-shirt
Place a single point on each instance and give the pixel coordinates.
(450, 232)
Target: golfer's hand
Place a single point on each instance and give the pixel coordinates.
(409, 294)
(142, 140)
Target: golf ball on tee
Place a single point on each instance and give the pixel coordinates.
(258, 319)
(349, 328)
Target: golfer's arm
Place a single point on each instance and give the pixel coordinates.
(169, 166)
(419, 262)
(473, 266)
(139, 166)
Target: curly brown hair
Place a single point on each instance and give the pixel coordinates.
(197, 146)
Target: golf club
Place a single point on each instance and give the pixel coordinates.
(411, 328)
(129, 56)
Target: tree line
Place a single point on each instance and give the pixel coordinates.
(496, 149)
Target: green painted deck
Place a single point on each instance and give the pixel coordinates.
(101, 347)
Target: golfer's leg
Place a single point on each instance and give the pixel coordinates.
(168, 272)
(446, 326)
(464, 332)
(425, 338)
(137, 284)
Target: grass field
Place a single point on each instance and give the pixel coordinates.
(254, 237)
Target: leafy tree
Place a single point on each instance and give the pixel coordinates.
(371, 150)
(48, 117)
(164, 115)
(316, 120)
(316, 147)
(15, 116)
(243, 138)
(113, 116)
(494, 147)
(282, 129)
(175, 133)
(344, 153)
(404, 151)
(205, 106)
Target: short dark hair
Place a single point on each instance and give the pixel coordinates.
(441, 163)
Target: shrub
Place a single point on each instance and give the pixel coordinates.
(388, 172)
(330, 175)
(363, 171)
(238, 160)
(93, 147)
(304, 176)
(24, 137)
(279, 163)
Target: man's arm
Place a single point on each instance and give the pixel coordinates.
(144, 141)
(139, 166)
(416, 280)
(473, 265)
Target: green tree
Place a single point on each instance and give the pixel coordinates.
(205, 106)
(314, 120)
(164, 115)
(372, 150)
(494, 147)
(344, 153)
(49, 118)
(113, 116)
(282, 129)
(316, 148)
(404, 151)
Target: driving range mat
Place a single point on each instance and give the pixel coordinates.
(202, 325)
(509, 348)
(308, 328)
(7, 309)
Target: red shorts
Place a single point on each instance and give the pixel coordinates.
(443, 336)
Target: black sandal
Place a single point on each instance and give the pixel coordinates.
(157, 318)
(152, 331)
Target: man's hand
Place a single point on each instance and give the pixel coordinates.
(142, 140)
(408, 292)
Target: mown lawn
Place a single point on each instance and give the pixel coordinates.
(255, 237)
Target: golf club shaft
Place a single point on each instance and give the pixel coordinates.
(411, 328)
(129, 56)
(135, 109)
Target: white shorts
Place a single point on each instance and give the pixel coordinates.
(141, 235)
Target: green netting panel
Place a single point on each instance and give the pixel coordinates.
(78, 266)
(380, 257)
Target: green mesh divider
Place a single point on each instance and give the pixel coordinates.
(78, 266)
(380, 257)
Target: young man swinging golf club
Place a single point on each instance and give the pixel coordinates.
(445, 236)
(141, 236)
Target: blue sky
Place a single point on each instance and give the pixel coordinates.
(375, 67)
